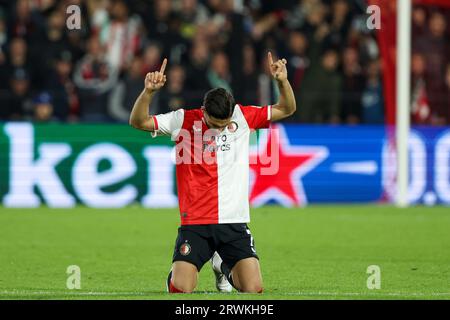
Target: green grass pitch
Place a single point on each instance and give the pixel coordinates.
(320, 252)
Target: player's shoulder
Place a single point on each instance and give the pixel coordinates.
(256, 117)
(190, 116)
(249, 107)
(246, 110)
(193, 114)
(239, 114)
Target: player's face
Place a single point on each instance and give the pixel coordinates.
(214, 123)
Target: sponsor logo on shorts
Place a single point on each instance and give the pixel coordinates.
(185, 249)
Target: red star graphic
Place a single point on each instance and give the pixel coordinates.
(288, 163)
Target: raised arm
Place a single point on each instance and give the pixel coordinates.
(140, 118)
(286, 105)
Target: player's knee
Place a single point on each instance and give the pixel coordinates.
(184, 277)
(177, 287)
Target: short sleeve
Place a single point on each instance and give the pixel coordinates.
(257, 117)
(168, 124)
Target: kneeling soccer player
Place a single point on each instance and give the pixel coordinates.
(212, 169)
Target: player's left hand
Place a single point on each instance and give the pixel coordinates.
(278, 68)
(156, 80)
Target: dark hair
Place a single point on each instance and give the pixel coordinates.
(219, 103)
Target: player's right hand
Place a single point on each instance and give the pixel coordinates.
(156, 80)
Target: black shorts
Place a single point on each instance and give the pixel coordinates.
(196, 243)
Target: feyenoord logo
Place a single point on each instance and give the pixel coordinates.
(185, 249)
(232, 127)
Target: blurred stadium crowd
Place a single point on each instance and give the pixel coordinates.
(51, 73)
(430, 66)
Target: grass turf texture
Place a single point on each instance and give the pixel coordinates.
(311, 253)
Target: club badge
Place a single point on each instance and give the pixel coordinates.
(232, 127)
(185, 249)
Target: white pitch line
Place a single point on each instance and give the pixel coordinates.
(319, 293)
(71, 293)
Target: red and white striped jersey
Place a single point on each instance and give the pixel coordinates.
(212, 167)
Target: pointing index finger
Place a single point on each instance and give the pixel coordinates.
(163, 66)
(269, 56)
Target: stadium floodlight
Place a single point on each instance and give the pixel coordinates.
(403, 98)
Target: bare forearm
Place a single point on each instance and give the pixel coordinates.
(286, 101)
(140, 117)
